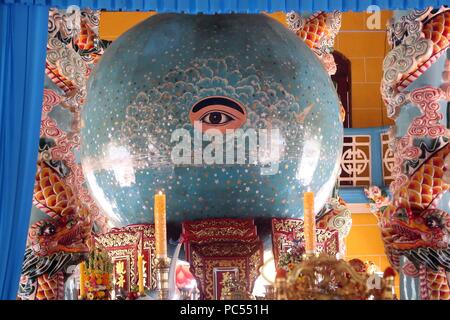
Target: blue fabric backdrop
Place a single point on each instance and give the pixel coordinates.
(23, 35)
(23, 38)
(243, 6)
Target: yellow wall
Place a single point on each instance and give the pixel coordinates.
(366, 49)
(113, 24)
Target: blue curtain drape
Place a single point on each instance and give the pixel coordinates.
(241, 6)
(23, 38)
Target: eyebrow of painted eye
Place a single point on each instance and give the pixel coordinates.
(217, 101)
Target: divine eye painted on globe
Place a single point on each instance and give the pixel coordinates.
(231, 115)
(219, 113)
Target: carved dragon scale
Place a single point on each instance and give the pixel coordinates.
(63, 238)
(412, 225)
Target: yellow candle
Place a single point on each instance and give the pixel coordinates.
(82, 280)
(160, 225)
(141, 274)
(309, 223)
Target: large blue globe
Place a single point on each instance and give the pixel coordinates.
(233, 73)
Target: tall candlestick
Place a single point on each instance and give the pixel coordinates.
(309, 223)
(82, 270)
(162, 278)
(141, 275)
(160, 225)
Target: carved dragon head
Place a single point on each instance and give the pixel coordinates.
(422, 236)
(68, 233)
(413, 226)
(63, 237)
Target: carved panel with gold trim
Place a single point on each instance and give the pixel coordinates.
(287, 233)
(208, 258)
(123, 248)
(148, 248)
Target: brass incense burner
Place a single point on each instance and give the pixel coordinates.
(324, 277)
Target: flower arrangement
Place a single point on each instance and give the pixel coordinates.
(98, 275)
(378, 199)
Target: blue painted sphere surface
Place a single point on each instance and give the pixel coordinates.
(240, 74)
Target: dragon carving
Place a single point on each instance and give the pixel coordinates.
(64, 237)
(318, 31)
(413, 224)
(54, 242)
(413, 227)
(336, 216)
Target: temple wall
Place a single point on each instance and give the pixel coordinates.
(366, 49)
